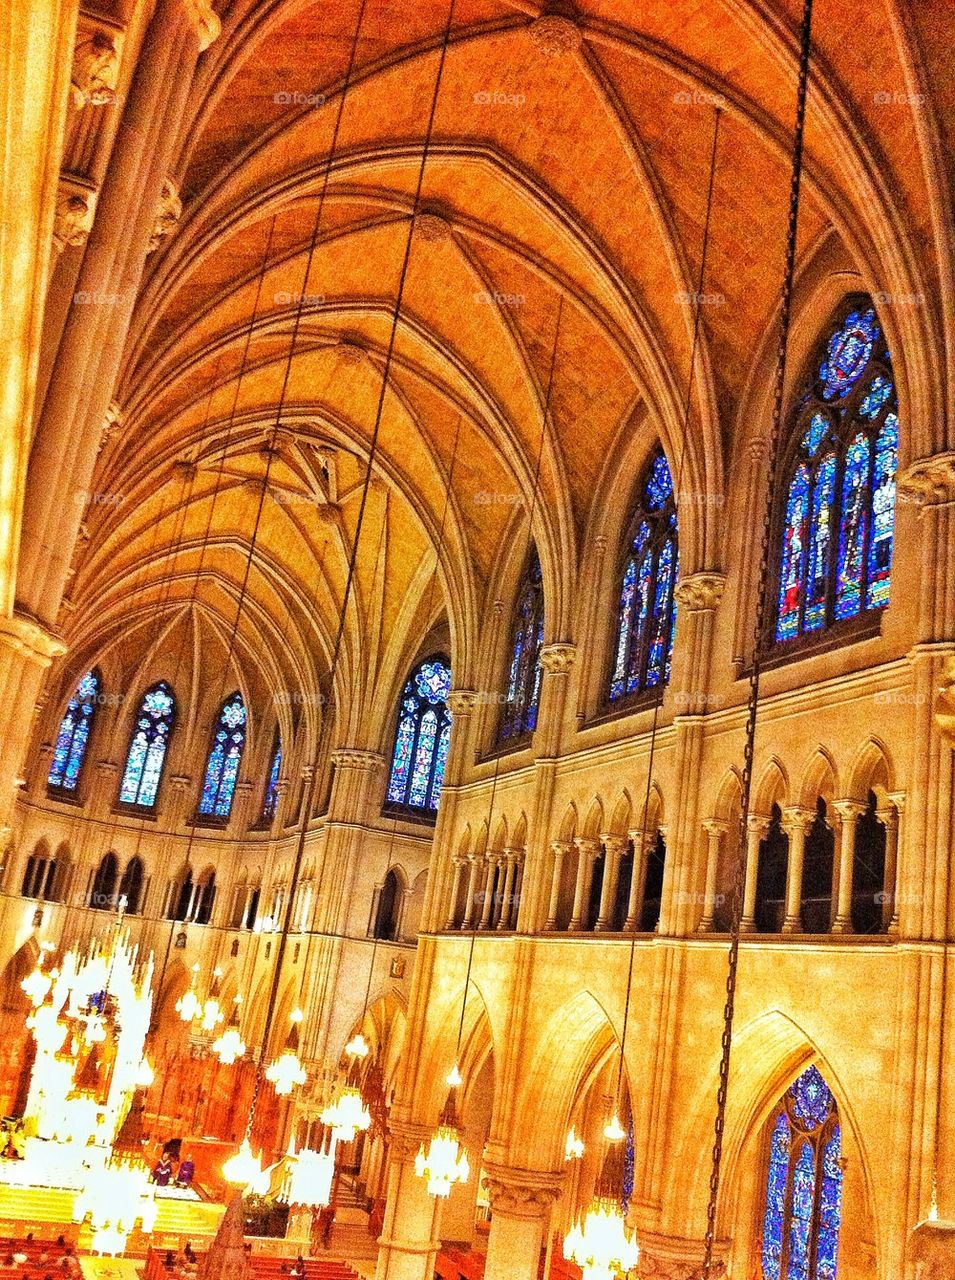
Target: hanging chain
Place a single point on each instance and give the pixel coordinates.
(759, 633)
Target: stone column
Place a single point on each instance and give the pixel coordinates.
(475, 860)
(891, 817)
(614, 847)
(756, 828)
(642, 841)
(849, 811)
(241, 817)
(461, 704)
(282, 790)
(560, 849)
(521, 1202)
(410, 1238)
(715, 831)
(586, 852)
(512, 857)
(487, 905)
(796, 823)
(105, 789)
(459, 864)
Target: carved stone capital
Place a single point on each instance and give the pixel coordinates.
(522, 1193)
(112, 422)
(405, 1139)
(757, 822)
(655, 1268)
(587, 848)
(73, 215)
(95, 66)
(555, 34)
(756, 450)
(614, 845)
(356, 758)
(27, 637)
(700, 591)
(715, 826)
(848, 810)
(558, 659)
(167, 215)
(205, 21)
(461, 702)
(930, 480)
(796, 819)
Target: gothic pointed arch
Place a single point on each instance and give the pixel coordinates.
(519, 712)
(73, 736)
(835, 517)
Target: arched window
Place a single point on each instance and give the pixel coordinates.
(74, 734)
(180, 897)
(103, 890)
(225, 756)
(204, 899)
(271, 798)
(519, 713)
(771, 875)
(836, 515)
(147, 748)
(646, 613)
(803, 1207)
(389, 908)
(131, 886)
(421, 742)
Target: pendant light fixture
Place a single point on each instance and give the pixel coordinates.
(230, 1046)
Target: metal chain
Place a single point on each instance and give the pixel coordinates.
(759, 633)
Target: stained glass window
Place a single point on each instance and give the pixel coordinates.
(803, 1207)
(271, 798)
(519, 713)
(422, 738)
(646, 614)
(837, 516)
(147, 747)
(74, 734)
(225, 756)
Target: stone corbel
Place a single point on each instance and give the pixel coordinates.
(112, 422)
(33, 641)
(522, 1193)
(699, 592)
(167, 216)
(929, 481)
(73, 215)
(95, 64)
(205, 21)
(558, 659)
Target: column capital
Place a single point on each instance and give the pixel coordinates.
(561, 847)
(613, 843)
(461, 702)
(405, 1138)
(699, 592)
(27, 637)
(204, 20)
(930, 480)
(73, 214)
(95, 64)
(522, 1193)
(716, 826)
(756, 449)
(757, 823)
(514, 855)
(849, 810)
(106, 767)
(590, 848)
(179, 782)
(356, 758)
(558, 658)
(796, 818)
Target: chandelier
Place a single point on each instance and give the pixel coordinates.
(599, 1241)
(245, 1170)
(211, 1013)
(287, 1070)
(347, 1114)
(308, 1177)
(188, 1005)
(230, 1046)
(574, 1147)
(445, 1161)
(114, 1199)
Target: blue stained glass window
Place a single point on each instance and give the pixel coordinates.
(147, 748)
(422, 738)
(803, 1206)
(837, 522)
(225, 756)
(776, 1199)
(271, 798)
(74, 734)
(646, 614)
(519, 713)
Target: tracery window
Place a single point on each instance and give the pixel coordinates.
(803, 1208)
(421, 743)
(271, 797)
(74, 734)
(837, 510)
(519, 713)
(147, 747)
(646, 612)
(225, 756)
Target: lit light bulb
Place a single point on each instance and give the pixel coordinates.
(574, 1148)
(454, 1077)
(444, 1163)
(229, 1047)
(599, 1244)
(614, 1132)
(286, 1072)
(243, 1169)
(357, 1046)
(145, 1074)
(346, 1115)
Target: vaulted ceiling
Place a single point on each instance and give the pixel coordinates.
(561, 188)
